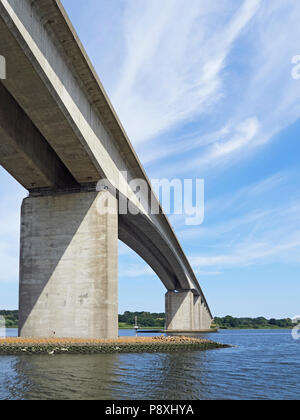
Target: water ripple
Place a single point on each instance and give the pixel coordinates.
(264, 365)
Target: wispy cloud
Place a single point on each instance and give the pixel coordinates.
(233, 141)
(213, 78)
(238, 89)
(243, 205)
(174, 58)
(268, 233)
(246, 254)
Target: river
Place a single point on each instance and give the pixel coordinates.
(263, 365)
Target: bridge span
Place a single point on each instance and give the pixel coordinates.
(59, 135)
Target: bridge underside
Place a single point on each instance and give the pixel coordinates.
(69, 270)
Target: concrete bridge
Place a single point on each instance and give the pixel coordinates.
(59, 135)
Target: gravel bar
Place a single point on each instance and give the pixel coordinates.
(19, 346)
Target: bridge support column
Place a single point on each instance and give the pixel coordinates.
(205, 317)
(186, 312)
(180, 311)
(208, 320)
(68, 267)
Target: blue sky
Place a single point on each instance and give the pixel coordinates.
(204, 90)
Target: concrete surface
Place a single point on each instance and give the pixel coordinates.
(68, 268)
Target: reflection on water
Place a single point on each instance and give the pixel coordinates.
(264, 365)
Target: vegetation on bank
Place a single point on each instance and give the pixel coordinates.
(11, 318)
(147, 320)
(228, 322)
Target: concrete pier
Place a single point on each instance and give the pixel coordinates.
(180, 310)
(186, 312)
(68, 267)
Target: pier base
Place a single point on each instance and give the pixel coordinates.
(186, 312)
(68, 268)
(180, 311)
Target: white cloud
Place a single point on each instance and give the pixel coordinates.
(186, 78)
(254, 91)
(234, 141)
(253, 253)
(269, 232)
(245, 196)
(228, 225)
(175, 56)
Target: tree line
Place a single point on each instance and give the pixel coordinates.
(11, 318)
(229, 322)
(157, 320)
(145, 319)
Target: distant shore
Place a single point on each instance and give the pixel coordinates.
(130, 327)
(156, 321)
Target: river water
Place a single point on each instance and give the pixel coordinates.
(263, 365)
